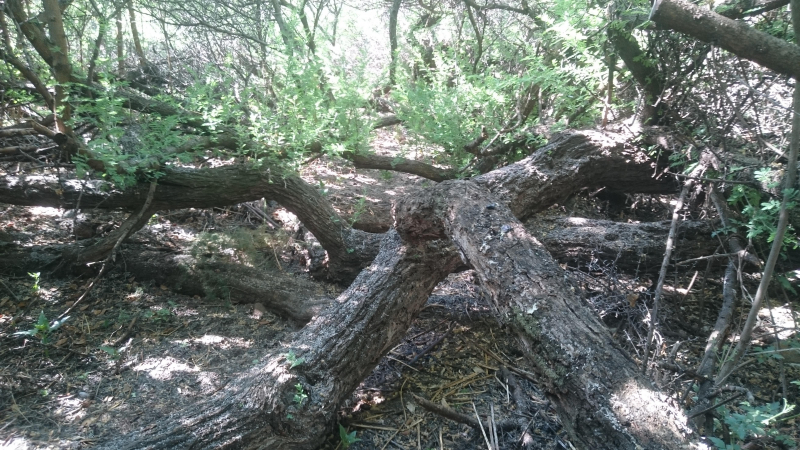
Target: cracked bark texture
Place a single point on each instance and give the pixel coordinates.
(597, 389)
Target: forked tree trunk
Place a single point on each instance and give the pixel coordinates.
(601, 397)
(604, 401)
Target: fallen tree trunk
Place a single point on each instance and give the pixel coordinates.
(284, 295)
(632, 247)
(348, 250)
(338, 349)
(603, 400)
(572, 161)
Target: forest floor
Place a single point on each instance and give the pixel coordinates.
(132, 352)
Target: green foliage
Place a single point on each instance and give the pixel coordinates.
(359, 209)
(773, 351)
(35, 285)
(346, 438)
(760, 218)
(300, 395)
(293, 360)
(755, 421)
(43, 329)
(159, 315)
(304, 105)
(111, 351)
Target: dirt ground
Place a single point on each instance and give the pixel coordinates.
(131, 352)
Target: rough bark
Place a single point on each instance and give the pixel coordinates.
(338, 349)
(633, 247)
(282, 294)
(604, 401)
(735, 37)
(570, 162)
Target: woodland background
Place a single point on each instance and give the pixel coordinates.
(322, 224)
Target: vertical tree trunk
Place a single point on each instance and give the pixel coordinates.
(62, 69)
(393, 13)
(137, 44)
(120, 52)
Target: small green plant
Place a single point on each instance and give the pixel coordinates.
(348, 439)
(360, 208)
(300, 395)
(43, 329)
(293, 360)
(112, 352)
(35, 286)
(159, 315)
(761, 217)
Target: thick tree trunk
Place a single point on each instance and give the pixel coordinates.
(606, 403)
(338, 349)
(735, 37)
(647, 75)
(603, 400)
(633, 247)
(572, 161)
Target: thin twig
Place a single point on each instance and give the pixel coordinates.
(488, 444)
(16, 299)
(111, 256)
(665, 263)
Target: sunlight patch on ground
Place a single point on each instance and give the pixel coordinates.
(182, 234)
(163, 368)
(70, 408)
(782, 317)
(633, 401)
(577, 220)
(45, 211)
(221, 342)
(17, 444)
